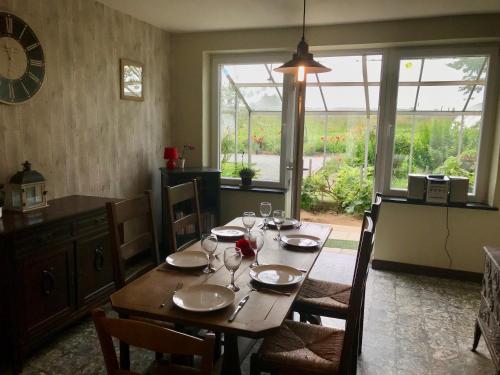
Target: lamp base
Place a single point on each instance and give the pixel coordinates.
(171, 164)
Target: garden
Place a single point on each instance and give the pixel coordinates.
(343, 181)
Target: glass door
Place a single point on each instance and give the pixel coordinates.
(339, 137)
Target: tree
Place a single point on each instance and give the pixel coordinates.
(472, 68)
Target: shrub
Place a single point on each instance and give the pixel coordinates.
(451, 167)
(353, 195)
(229, 169)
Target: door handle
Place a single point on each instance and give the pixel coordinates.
(292, 168)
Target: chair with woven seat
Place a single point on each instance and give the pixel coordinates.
(152, 337)
(328, 298)
(132, 257)
(300, 348)
(182, 208)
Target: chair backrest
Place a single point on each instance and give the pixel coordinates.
(349, 349)
(132, 257)
(151, 337)
(183, 215)
(375, 210)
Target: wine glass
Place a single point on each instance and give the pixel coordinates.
(265, 211)
(249, 220)
(256, 239)
(209, 243)
(232, 261)
(279, 219)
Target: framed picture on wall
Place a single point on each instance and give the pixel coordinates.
(131, 80)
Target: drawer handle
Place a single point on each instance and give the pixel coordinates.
(48, 281)
(99, 259)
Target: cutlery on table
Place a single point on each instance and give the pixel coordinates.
(179, 286)
(269, 290)
(238, 308)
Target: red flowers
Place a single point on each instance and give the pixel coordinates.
(246, 249)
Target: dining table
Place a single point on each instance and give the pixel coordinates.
(151, 295)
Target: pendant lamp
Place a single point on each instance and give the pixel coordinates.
(302, 62)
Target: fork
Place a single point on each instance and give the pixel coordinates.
(179, 286)
(253, 289)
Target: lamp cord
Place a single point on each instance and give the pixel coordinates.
(450, 260)
(304, 21)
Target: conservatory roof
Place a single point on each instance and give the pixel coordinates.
(426, 85)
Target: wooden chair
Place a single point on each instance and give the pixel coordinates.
(183, 215)
(132, 257)
(300, 348)
(328, 298)
(154, 338)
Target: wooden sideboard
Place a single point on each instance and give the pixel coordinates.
(55, 265)
(488, 318)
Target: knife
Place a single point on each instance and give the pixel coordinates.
(238, 308)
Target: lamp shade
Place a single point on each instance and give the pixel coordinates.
(171, 153)
(302, 59)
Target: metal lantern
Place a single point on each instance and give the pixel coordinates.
(25, 190)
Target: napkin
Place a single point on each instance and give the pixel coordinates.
(245, 247)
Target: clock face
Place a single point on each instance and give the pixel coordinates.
(22, 63)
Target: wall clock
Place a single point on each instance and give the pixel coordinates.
(22, 63)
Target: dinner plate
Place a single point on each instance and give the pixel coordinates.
(300, 240)
(204, 297)
(288, 224)
(229, 232)
(187, 259)
(276, 274)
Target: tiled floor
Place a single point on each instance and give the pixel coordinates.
(414, 325)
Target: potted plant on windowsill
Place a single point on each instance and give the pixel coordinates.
(246, 174)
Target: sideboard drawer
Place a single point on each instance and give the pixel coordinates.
(92, 223)
(43, 236)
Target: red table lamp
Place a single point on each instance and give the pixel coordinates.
(171, 155)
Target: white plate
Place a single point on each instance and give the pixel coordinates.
(276, 274)
(300, 240)
(203, 298)
(188, 259)
(288, 224)
(229, 232)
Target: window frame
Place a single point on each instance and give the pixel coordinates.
(388, 115)
(244, 59)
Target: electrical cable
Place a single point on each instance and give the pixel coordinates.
(450, 260)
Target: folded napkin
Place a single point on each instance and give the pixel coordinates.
(246, 249)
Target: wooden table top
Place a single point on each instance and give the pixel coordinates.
(262, 313)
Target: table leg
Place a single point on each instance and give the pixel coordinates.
(124, 351)
(231, 359)
(477, 336)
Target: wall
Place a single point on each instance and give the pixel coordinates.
(406, 233)
(76, 131)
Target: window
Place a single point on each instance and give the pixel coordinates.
(440, 119)
(250, 101)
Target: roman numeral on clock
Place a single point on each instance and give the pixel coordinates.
(34, 77)
(9, 27)
(25, 89)
(22, 33)
(36, 63)
(33, 46)
(11, 92)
